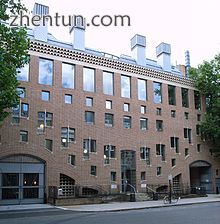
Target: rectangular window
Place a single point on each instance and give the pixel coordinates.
(21, 92)
(185, 97)
(172, 95)
(45, 119)
(108, 83)
(108, 104)
(186, 152)
(198, 117)
(23, 136)
(89, 117)
(45, 95)
(109, 120)
(109, 153)
(157, 88)
(71, 160)
(173, 113)
(198, 147)
(127, 122)
(89, 79)
(159, 125)
(174, 143)
(89, 101)
(126, 107)
(160, 151)
(49, 144)
(113, 176)
(45, 71)
(68, 99)
(198, 129)
(89, 146)
(188, 134)
(173, 162)
(159, 171)
(68, 73)
(143, 175)
(23, 73)
(186, 115)
(143, 109)
(158, 111)
(197, 100)
(93, 171)
(142, 89)
(67, 136)
(125, 86)
(143, 123)
(145, 154)
(24, 110)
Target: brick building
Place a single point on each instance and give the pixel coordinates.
(100, 123)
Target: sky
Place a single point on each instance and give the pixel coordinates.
(185, 24)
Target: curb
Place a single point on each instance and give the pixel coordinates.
(137, 208)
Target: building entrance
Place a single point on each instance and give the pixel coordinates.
(128, 171)
(201, 176)
(21, 180)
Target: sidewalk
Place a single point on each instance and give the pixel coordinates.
(122, 206)
(116, 206)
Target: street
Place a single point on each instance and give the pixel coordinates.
(191, 214)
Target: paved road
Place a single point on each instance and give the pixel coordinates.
(191, 214)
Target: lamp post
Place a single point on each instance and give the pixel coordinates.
(170, 177)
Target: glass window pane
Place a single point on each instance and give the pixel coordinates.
(89, 102)
(125, 86)
(45, 71)
(172, 95)
(142, 89)
(68, 99)
(21, 92)
(157, 92)
(185, 97)
(108, 85)
(89, 79)
(45, 95)
(67, 75)
(23, 73)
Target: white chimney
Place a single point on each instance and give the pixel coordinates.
(41, 27)
(163, 52)
(138, 49)
(77, 31)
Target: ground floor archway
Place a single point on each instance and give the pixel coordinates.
(201, 176)
(22, 180)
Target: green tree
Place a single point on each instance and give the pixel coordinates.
(13, 55)
(207, 81)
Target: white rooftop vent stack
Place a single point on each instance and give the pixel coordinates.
(163, 52)
(187, 62)
(138, 49)
(77, 31)
(40, 32)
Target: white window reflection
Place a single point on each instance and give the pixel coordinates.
(125, 86)
(67, 75)
(23, 73)
(45, 71)
(142, 89)
(89, 79)
(108, 85)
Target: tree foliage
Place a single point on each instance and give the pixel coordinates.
(207, 81)
(13, 55)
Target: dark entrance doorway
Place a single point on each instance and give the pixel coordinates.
(21, 180)
(201, 176)
(128, 171)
